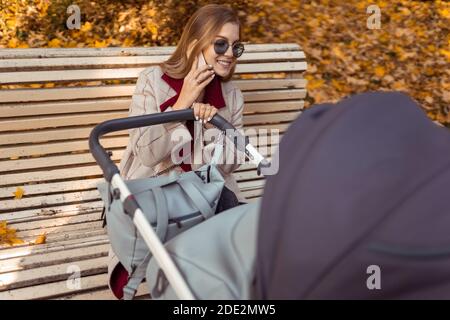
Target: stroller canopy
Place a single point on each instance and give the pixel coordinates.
(360, 206)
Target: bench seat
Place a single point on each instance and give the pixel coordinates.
(50, 99)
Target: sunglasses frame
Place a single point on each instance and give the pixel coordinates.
(228, 45)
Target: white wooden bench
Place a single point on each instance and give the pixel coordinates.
(44, 150)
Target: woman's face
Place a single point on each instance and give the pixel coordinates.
(223, 63)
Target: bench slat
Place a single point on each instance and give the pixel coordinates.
(125, 90)
(130, 73)
(131, 51)
(41, 149)
(35, 276)
(107, 142)
(59, 288)
(50, 247)
(57, 210)
(106, 62)
(63, 230)
(47, 135)
(56, 121)
(64, 186)
(72, 159)
(55, 222)
(46, 174)
(47, 259)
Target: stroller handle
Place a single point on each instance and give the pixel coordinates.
(103, 159)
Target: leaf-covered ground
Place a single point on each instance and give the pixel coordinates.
(410, 52)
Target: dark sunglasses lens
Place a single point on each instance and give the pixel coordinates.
(238, 50)
(220, 46)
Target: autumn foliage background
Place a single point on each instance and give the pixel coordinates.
(410, 52)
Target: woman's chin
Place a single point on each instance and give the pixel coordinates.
(221, 73)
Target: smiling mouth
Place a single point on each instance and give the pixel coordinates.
(225, 64)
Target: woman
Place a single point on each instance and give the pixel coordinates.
(180, 83)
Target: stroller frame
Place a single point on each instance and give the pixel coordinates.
(131, 206)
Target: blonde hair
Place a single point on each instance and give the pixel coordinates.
(203, 25)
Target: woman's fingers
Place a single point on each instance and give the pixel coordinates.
(205, 76)
(201, 114)
(203, 73)
(204, 112)
(211, 111)
(199, 110)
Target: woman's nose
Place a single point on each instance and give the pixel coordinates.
(229, 52)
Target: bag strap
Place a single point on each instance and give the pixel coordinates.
(107, 204)
(197, 198)
(162, 222)
(162, 213)
(136, 278)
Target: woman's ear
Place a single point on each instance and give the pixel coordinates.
(190, 47)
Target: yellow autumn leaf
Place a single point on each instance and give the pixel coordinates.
(379, 71)
(18, 194)
(12, 43)
(41, 239)
(14, 241)
(2, 228)
(8, 235)
(100, 44)
(54, 43)
(86, 27)
(445, 53)
(445, 13)
(337, 85)
(338, 53)
(315, 84)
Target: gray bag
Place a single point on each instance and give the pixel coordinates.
(171, 205)
(216, 257)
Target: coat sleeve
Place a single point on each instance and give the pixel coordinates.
(154, 143)
(229, 151)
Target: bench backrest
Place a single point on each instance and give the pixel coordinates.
(44, 127)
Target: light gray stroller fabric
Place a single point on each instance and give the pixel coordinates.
(171, 204)
(216, 257)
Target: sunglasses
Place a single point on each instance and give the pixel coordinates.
(221, 46)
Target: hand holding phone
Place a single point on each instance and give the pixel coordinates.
(195, 81)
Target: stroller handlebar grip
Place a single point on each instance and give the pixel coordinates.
(108, 167)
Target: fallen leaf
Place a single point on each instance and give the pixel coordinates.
(314, 83)
(54, 43)
(41, 239)
(379, 71)
(18, 193)
(8, 235)
(86, 27)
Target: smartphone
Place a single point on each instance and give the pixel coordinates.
(201, 60)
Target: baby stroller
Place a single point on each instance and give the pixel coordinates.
(357, 210)
(171, 205)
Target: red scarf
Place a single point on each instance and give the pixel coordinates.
(213, 96)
